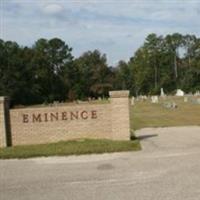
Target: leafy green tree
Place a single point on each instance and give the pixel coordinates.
(154, 45)
(189, 42)
(173, 43)
(47, 71)
(141, 71)
(94, 74)
(16, 75)
(52, 61)
(122, 79)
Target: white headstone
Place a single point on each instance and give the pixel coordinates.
(198, 101)
(162, 94)
(185, 99)
(140, 97)
(133, 101)
(179, 93)
(145, 97)
(197, 93)
(154, 99)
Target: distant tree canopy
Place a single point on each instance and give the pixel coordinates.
(48, 72)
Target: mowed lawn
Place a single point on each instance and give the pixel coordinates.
(65, 148)
(145, 114)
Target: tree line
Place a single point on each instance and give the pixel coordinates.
(48, 72)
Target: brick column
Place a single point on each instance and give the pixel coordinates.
(4, 110)
(120, 115)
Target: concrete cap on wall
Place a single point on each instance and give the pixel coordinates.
(2, 99)
(119, 94)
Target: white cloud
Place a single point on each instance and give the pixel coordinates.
(53, 9)
(116, 27)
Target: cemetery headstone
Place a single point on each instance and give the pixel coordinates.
(185, 99)
(170, 105)
(133, 101)
(198, 101)
(162, 94)
(179, 93)
(197, 93)
(154, 99)
(195, 100)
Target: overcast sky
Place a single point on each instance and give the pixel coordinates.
(115, 27)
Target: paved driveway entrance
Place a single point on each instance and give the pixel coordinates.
(168, 168)
(169, 139)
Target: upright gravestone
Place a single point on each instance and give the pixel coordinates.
(198, 101)
(185, 99)
(197, 93)
(162, 94)
(179, 93)
(154, 99)
(133, 101)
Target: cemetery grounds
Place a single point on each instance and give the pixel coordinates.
(146, 114)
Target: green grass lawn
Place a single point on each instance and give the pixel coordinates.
(76, 147)
(145, 114)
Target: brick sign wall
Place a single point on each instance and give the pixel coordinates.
(2, 123)
(37, 125)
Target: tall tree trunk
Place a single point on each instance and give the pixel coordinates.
(175, 66)
(156, 77)
(156, 74)
(189, 59)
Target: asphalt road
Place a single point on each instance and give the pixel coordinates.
(168, 168)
